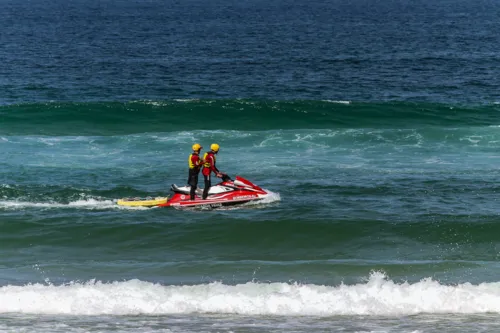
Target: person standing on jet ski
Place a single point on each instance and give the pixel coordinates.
(209, 166)
(195, 163)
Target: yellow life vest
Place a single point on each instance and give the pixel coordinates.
(191, 164)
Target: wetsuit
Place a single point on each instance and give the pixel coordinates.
(208, 167)
(194, 169)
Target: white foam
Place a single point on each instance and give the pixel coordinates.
(83, 204)
(378, 296)
(149, 102)
(337, 102)
(186, 100)
(271, 197)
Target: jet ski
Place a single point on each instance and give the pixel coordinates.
(229, 192)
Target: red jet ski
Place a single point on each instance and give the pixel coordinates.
(226, 193)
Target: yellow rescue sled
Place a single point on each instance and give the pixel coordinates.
(142, 202)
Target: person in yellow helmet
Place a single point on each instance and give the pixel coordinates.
(209, 167)
(195, 164)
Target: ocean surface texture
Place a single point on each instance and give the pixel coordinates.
(375, 124)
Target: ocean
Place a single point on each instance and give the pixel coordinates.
(375, 125)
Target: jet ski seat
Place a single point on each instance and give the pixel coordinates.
(177, 189)
(186, 190)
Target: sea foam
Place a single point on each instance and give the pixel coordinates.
(377, 296)
(89, 203)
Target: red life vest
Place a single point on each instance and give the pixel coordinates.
(209, 163)
(194, 161)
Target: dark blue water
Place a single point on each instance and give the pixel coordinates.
(362, 50)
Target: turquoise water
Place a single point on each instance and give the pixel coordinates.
(379, 145)
(371, 214)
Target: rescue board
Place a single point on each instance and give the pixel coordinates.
(142, 202)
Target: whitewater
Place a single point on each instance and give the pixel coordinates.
(378, 296)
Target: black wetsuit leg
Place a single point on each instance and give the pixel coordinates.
(208, 184)
(193, 182)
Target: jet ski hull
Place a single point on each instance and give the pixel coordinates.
(226, 193)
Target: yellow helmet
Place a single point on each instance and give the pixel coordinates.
(215, 147)
(197, 147)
